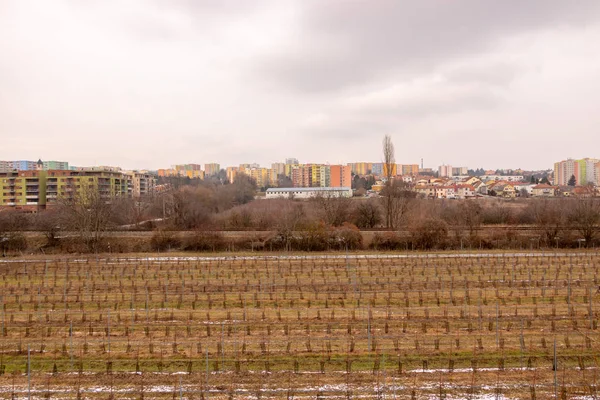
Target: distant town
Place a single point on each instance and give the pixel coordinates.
(34, 185)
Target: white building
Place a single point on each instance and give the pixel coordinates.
(507, 178)
(445, 171)
(308, 193)
(460, 171)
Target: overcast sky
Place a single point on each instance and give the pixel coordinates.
(151, 83)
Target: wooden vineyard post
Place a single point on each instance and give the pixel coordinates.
(497, 330)
(108, 327)
(71, 343)
(555, 368)
(591, 311)
(369, 327)
(28, 373)
(180, 390)
(206, 381)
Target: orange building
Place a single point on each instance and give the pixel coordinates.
(341, 176)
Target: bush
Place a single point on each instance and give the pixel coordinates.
(204, 241)
(346, 237)
(430, 233)
(387, 241)
(496, 214)
(314, 238)
(164, 240)
(13, 242)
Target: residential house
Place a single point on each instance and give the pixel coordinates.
(543, 190)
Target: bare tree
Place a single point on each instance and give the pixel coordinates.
(88, 213)
(335, 209)
(585, 217)
(192, 207)
(388, 164)
(397, 201)
(549, 217)
(292, 216)
(470, 213)
(367, 214)
(12, 223)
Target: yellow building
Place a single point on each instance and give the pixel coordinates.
(260, 176)
(273, 176)
(321, 175)
(408, 169)
(289, 168)
(361, 168)
(394, 169)
(232, 173)
(211, 169)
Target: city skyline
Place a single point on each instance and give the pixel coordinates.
(148, 83)
(211, 168)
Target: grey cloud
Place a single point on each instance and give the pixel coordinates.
(495, 74)
(344, 44)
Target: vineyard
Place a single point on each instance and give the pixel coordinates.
(445, 326)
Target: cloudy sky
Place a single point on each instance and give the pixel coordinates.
(150, 83)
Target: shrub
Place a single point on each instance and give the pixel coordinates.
(346, 237)
(387, 241)
(314, 238)
(430, 233)
(13, 242)
(164, 240)
(204, 241)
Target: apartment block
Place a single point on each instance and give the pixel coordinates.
(377, 169)
(261, 176)
(445, 171)
(70, 184)
(23, 190)
(408, 169)
(361, 168)
(232, 173)
(302, 176)
(25, 165)
(140, 184)
(55, 165)
(248, 166)
(394, 171)
(192, 171)
(279, 168)
(584, 170)
(460, 171)
(587, 167)
(37, 189)
(211, 169)
(273, 177)
(288, 169)
(340, 176)
(166, 172)
(321, 176)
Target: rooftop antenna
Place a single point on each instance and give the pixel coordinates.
(421, 163)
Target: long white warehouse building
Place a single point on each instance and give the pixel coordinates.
(307, 193)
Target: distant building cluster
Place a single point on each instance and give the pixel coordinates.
(446, 171)
(580, 172)
(26, 165)
(192, 171)
(37, 188)
(34, 185)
